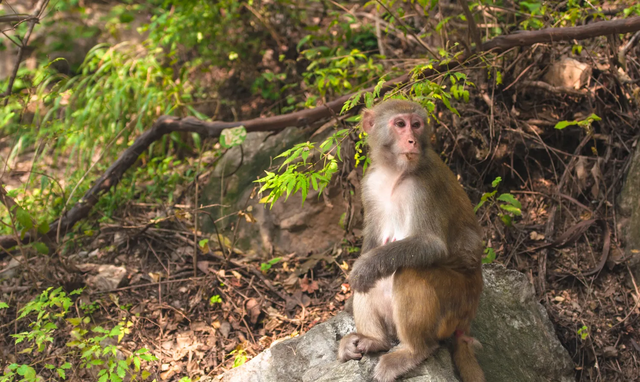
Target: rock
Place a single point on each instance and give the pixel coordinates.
(286, 227)
(629, 214)
(109, 277)
(11, 270)
(568, 73)
(519, 344)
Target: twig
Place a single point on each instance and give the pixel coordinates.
(148, 285)
(406, 27)
(15, 18)
(473, 28)
(554, 89)
(36, 17)
(256, 272)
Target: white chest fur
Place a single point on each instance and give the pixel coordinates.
(388, 197)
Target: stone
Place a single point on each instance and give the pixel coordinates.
(629, 214)
(568, 73)
(519, 344)
(108, 278)
(285, 228)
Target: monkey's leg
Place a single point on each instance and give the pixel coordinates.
(373, 315)
(416, 312)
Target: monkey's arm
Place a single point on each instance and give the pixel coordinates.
(415, 251)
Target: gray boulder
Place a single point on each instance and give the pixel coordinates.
(629, 213)
(519, 344)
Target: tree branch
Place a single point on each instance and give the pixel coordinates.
(14, 18)
(167, 124)
(550, 35)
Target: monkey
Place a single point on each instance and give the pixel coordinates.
(419, 278)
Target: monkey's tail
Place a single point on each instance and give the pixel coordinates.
(465, 359)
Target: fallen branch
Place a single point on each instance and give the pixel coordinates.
(167, 124)
(551, 35)
(559, 90)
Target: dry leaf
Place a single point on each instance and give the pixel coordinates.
(581, 172)
(297, 298)
(597, 177)
(308, 286)
(203, 266)
(236, 275)
(253, 307)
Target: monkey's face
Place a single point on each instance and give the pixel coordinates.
(406, 131)
(398, 133)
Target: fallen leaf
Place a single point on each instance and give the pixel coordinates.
(308, 286)
(253, 307)
(204, 267)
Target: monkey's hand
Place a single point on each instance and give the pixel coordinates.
(364, 274)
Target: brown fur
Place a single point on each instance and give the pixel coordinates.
(424, 287)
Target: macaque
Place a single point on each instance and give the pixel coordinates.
(419, 277)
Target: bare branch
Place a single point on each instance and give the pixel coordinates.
(473, 28)
(35, 19)
(551, 35)
(559, 90)
(15, 18)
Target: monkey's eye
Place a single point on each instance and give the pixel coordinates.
(415, 125)
(400, 123)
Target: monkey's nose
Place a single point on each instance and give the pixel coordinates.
(411, 141)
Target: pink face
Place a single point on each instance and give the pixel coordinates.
(407, 129)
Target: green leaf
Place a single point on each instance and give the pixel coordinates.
(61, 373)
(496, 182)
(510, 199)
(562, 124)
(41, 248)
(303, 41)
(512, 209)
(233, 137)
(490, 256)
(24, 218)
(43, 228)
(506, 219)
(3, 305)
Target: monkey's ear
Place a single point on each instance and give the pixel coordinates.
(367, 121)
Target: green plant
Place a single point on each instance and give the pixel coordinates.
(215, 299)
(240, 357)
(489, 256)
(584, 123)
(89, 346)
(583, 332)
(264, 267)
(508, 204)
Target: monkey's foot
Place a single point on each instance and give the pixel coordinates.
(349, 348)
(354, 346)
(398, 362)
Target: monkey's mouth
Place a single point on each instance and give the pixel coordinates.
(411, 156)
